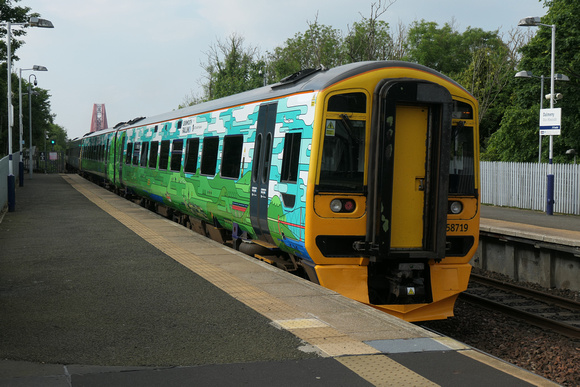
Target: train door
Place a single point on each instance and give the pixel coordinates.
(110, 158)
(120, 138)
(409, 181)
(407, 222)
(261, 171)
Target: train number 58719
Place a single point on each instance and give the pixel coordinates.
(454, 227)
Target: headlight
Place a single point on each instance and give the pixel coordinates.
(455, 207)
(336, 205)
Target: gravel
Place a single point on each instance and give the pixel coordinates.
(545, 353)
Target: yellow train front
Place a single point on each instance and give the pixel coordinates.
(392, 210)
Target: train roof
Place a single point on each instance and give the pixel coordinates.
(303, 81)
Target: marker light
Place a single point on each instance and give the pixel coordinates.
(349, 206)
(455, 207)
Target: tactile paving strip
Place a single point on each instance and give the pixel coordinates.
(301, 323)
(382, 371)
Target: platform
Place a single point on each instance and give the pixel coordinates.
(530, 246)
(95, 290)
(558, 228)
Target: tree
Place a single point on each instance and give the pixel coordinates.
(489, 73)
(399, 49)
(536, 58)
(441, 49)
(369, 39)
(191, 99)
(58, 134)
(320, 45)
(13, 14)
(42, 118)
(231, 68)
(512, 142)
(481, 61)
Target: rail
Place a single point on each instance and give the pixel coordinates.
(537, 308)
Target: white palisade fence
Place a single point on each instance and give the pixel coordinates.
(523, 185)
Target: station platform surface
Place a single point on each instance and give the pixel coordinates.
(534, 225)
(95, 290)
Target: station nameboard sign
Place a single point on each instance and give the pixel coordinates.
(550, 122)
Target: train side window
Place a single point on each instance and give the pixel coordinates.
(176, 155)
(153, 154)
(267, 158)
(232, 156)
(129, 153)
(291, 157)
(144, 153)
(121, 148)
(191, 153)
(136, 153)
(164, 154)
(256, 160)
(209, 155)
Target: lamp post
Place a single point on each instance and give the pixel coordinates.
(535, 21)
(529, 74)
(33, 22)
(21, 167)
(30, 93)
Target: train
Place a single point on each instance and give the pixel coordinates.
(363, 178)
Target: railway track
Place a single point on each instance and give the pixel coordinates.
(541, 309)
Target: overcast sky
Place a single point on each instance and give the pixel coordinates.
(142, 57)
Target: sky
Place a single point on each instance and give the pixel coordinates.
(143, 57)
